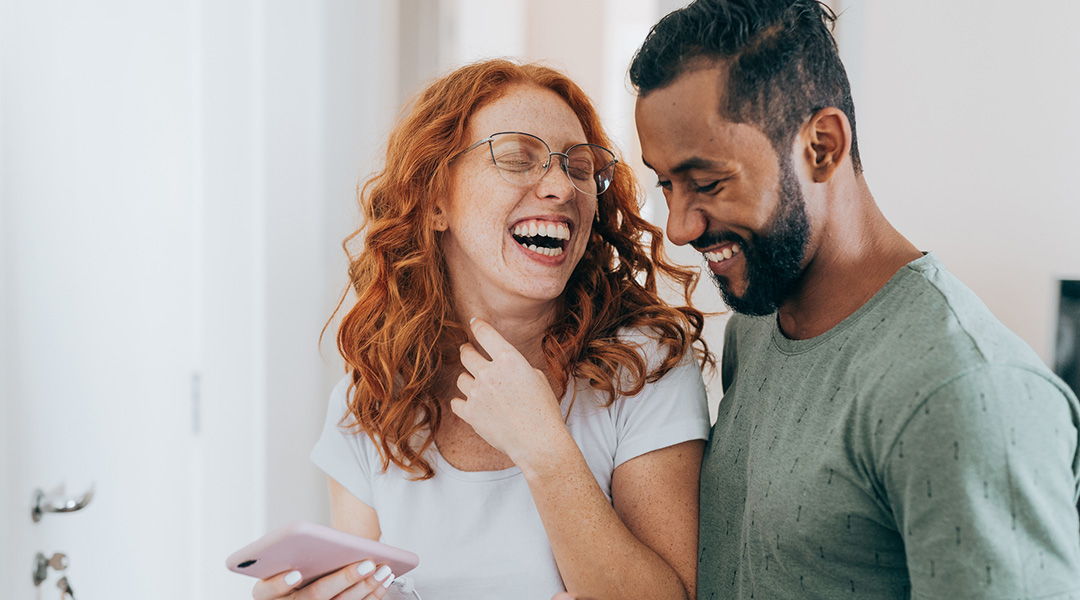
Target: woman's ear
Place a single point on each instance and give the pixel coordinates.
(827, 142)
(438, 220)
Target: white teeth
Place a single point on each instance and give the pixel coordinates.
(545, 251)
(722, 255)
(558, 231)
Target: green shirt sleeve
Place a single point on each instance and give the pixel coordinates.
(982, 483)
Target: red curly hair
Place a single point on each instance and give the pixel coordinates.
(400, 339)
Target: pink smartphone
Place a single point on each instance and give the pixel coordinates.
(314, 550)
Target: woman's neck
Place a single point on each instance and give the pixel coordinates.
(522, 324)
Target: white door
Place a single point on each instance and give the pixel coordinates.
(99, 229)
(175, 180)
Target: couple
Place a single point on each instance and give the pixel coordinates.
(524, 412)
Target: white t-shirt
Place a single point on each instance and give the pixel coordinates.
(478, 534)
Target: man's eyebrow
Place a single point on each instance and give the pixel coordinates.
(694, 162)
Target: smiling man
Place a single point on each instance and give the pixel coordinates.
(881, 435)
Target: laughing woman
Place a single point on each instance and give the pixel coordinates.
(521, 408)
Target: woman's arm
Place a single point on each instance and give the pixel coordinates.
(349, 514)
(644, 543)
(645, 546)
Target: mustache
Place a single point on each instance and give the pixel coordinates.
(712, 238)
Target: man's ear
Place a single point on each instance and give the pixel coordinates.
(826, 138)
(438, 220)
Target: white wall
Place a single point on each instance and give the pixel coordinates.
(328, 72)
(294, 108)
(969, 124)
(231, 466)
(296, 287)
(7, 449)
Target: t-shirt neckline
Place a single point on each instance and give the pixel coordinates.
(443, 466)
(790, 346)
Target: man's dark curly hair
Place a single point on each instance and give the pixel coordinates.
(781, 58)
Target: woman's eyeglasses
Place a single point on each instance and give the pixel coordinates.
(523, 158)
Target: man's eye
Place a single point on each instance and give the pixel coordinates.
(664, 185)
(705, 189)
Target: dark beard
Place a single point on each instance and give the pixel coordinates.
(773, 259)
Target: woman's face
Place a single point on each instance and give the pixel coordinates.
(486, 218)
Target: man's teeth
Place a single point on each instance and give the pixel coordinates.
(559, 231)
(545, 251)
(723, 254)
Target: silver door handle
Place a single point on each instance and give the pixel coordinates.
(59, 504)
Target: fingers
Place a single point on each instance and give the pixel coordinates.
(373, 587)
(472, 360)
(277, 586)
(460, 408)
(354, 582)
(489, 338)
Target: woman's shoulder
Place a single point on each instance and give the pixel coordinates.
(340, 417)
(668, 410)
(683, 378)
(651, 345)
(339, 414)
(339, 398)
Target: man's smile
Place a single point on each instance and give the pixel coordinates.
(722, 253)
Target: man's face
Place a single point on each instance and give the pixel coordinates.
(728, 193)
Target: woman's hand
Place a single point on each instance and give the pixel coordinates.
(508, 402)
(360, 581)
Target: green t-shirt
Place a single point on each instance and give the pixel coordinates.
(918, 449)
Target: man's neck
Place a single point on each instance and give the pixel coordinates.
(857, 252)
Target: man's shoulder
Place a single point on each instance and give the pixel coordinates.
(934, 325)
(936, 333)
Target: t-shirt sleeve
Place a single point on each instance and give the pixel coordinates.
(343, 455)
(670, 411)
(983, 483)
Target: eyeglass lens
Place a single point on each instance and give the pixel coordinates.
(521, 160)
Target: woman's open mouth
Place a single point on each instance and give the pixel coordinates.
(548, 238)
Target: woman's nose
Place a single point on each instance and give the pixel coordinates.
(555, 182)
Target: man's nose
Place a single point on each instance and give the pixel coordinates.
(685, 222)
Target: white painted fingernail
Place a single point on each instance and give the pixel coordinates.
(388, 581)
(365, 567)
(292, 578)
(382, 572)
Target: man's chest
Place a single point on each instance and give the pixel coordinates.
(789, 489)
